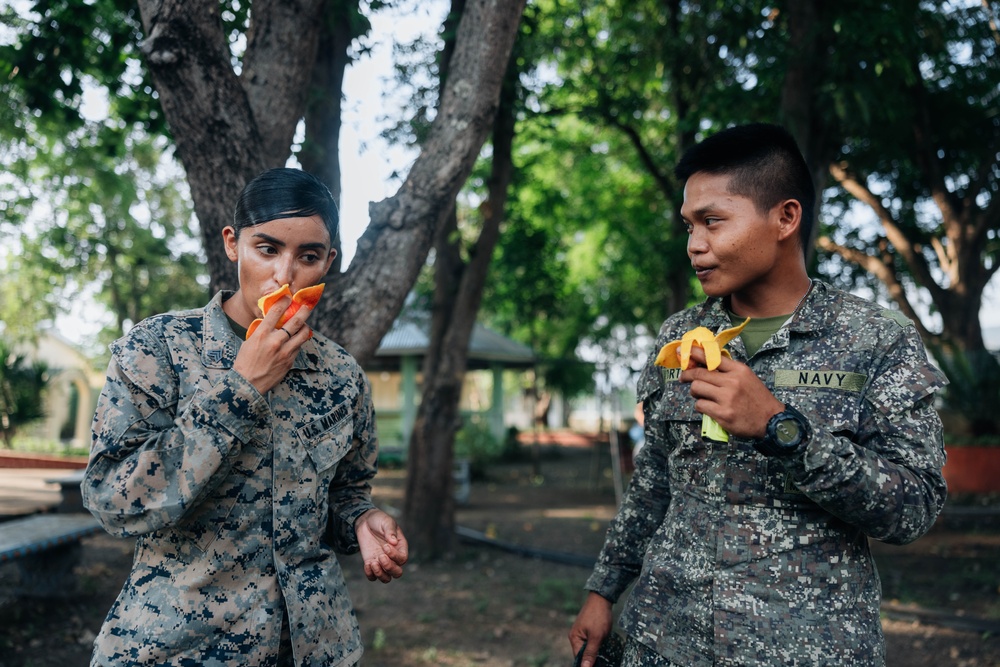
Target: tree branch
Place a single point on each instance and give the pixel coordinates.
(208, 112)
(402, 228)
(916, 261)
(663, 181)
(282, 43)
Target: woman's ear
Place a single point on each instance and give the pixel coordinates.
(230, 240)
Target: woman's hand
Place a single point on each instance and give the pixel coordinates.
(383, 547)
(266, 357)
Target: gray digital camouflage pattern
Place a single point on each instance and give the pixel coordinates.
(741, 559)
(228, 492)
(640, 655)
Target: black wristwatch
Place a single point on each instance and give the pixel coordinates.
(787, 433)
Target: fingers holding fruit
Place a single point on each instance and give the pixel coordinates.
(677, 354)
(308, 296)
(292, 328)
(273, 341)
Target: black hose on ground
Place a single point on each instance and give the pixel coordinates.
(470, 536)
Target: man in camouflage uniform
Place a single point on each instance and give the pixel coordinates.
(240, 466)
(751, 547)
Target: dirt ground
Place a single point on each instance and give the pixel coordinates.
(488, 606)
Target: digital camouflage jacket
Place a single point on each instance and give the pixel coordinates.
(742, 559)
(228, 493)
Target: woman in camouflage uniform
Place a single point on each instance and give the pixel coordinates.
(751, 547)
(241, 465)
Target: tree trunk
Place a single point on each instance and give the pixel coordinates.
(429, 512)
(228, 128)
(429, 507)
(367, 298)
(320, 153)
(807, 50)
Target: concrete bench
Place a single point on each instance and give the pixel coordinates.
(46, 547)
(69, 487)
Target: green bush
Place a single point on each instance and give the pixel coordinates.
(475, 443)
(973, 392)
(42, 446)
(22, 386)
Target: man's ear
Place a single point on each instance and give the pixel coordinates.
(229, 240)
(789, 214)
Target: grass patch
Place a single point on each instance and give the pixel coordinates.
(49, 447)
(559, 594)
(970, 584)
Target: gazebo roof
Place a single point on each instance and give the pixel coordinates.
(409, 337)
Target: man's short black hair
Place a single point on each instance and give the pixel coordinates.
(286, 193)
(763, 163)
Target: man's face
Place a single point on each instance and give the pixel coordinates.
(732, 246)
(296, 251)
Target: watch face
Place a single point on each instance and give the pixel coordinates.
(788, 432)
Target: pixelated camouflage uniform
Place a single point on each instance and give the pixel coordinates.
(743, 559)
(228, 492)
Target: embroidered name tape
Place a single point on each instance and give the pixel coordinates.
(843, 380)
(671, 374)
(324, 423)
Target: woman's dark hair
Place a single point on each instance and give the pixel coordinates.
(286, 193)
(763, 163)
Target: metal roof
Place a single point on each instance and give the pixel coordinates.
(409, 336)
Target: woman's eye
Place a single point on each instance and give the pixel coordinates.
(267, 250)
(310, 259)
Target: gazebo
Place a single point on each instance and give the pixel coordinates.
(395, 370)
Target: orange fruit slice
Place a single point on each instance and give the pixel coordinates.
(307, 296)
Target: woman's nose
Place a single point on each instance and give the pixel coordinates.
(283, 271)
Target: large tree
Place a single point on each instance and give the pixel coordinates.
(232, 114)
(229, 125)
(623, 91)
(929, 174)
(88, 203)
(460, 266)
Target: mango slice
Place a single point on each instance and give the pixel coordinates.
(307, 296)
(677, 353)
(265, 302)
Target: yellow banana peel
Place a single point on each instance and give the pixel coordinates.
(677, 354)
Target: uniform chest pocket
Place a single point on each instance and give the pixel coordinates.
(673, 412)
(327, 446)
(832, 410)
(674, 404)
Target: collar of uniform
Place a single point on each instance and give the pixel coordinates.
(220, 344)
(810, 316)
(816, 312)
(807, 317)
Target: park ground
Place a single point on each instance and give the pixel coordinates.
(489, 606)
